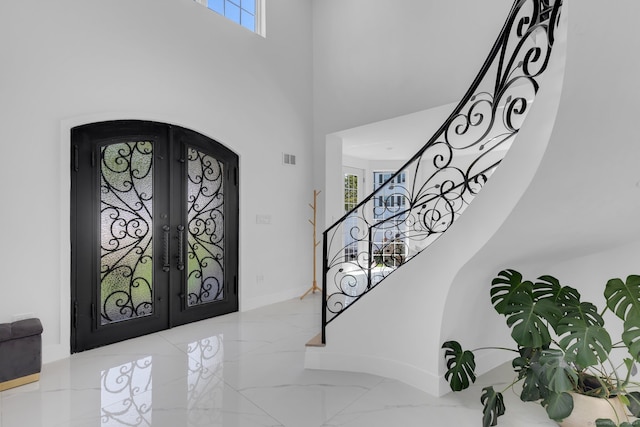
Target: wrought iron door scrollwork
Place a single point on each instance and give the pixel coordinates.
(126, 208)
(449, 170)
(205, 254)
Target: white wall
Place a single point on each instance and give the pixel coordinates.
(590, 273)
(70, 62)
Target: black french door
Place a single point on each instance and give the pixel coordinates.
(154, 230)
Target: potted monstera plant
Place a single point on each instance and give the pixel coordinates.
(563, 351)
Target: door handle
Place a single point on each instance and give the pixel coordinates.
(165, 248)
(180, 247)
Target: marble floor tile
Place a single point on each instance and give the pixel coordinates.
(239, 370)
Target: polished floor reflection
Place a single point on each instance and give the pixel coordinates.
(244, 369)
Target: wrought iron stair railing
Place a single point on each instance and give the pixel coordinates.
(421, 201)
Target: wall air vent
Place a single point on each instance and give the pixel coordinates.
(288, 159)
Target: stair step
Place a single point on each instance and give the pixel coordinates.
(315, 341)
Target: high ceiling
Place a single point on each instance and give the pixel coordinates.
(394, 139)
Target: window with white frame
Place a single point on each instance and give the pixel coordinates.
(390, 203)
(248, 13)
(351, 200)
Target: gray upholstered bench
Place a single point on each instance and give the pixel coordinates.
(20, 353)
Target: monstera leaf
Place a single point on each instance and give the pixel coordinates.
(585, 311)
(507, 284)
(493, 406)
(559, 375)
(583, 335)
(591, 344)
(623, 298)
(558, 405)
(534, 386)
(631, 334)
(548, 287)
(528, 368)
(634, 403)
(461, 366)
(528, 320)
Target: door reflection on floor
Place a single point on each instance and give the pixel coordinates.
(127, 389)
(205, 385)
(126, 395)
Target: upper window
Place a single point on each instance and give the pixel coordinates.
(244, 12)
(388, 233)
(390, 199)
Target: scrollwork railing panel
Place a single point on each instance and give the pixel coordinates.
(403, 217)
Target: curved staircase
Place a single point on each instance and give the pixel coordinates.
(394, 331)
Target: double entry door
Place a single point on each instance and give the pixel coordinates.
(154, 230)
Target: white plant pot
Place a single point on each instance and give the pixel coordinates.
(587, 409)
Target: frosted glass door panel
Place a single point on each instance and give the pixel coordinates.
(205, 214)
(126, 241)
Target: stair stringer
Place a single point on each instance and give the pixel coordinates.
(396, 332)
